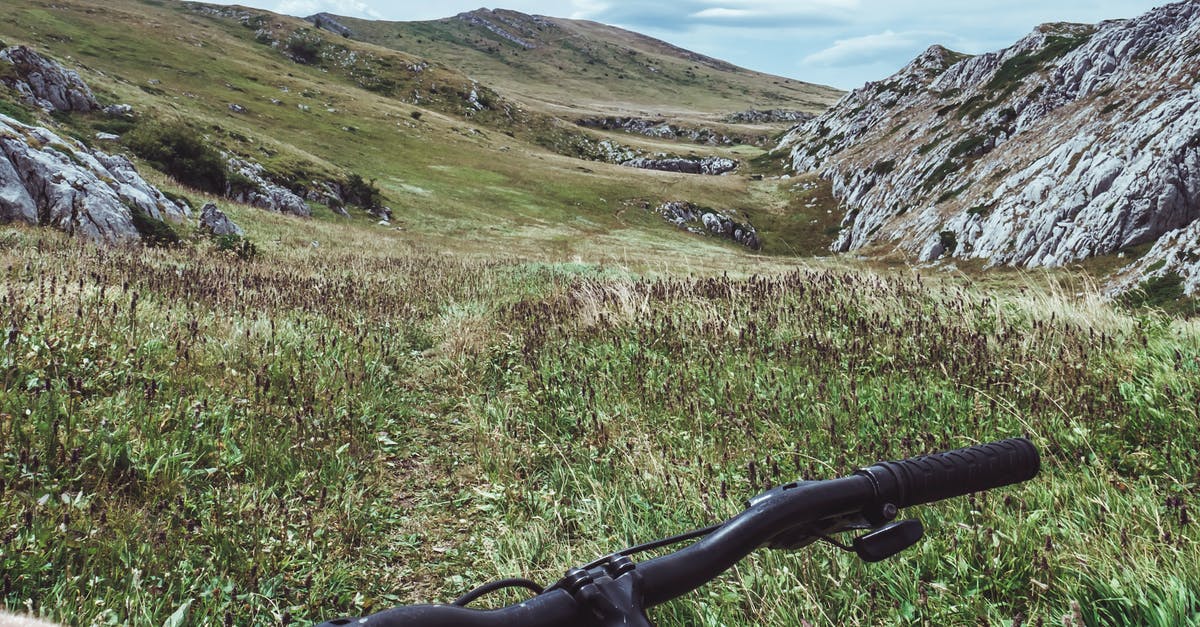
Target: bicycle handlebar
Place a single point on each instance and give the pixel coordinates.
(873, 493)
(929, 478)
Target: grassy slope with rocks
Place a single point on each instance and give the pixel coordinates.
(576, 67)
(465, 182)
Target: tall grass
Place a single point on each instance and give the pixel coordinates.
(315, 432)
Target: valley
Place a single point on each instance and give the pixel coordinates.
(470, 324)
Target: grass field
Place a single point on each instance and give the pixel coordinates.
(187, 437)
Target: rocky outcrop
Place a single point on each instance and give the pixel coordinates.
(119, 110)
(215, 222)
(503, 24)
(44, 83)
(249, 184)
(1176, 253)
(1077, 141)
(769, 116)
(704, 221)
(330, 23)
(53, 181)
(662, 129)
(694, 165)
(330, 194)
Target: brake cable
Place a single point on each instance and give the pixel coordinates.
(518, 582)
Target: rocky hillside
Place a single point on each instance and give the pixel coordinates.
(1078, 141)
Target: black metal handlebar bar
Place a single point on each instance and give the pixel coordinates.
(790, 516)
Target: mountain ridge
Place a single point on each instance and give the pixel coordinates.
(539, 57)
(1078, 141)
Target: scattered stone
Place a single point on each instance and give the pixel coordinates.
(107, 137)
(214, 221)
(119, 110)
(236, 108)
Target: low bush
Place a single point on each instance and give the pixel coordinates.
(179, 151)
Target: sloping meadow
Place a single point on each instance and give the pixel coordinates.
(187, 434)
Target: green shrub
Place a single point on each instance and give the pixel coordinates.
(949, 241)
(238, 245)
(1163, 292)
(304, 46)
(1014, 70)
(884, 167)
(362, 192)
(179, 151)
(939, 174)
(968, 146)
(116, 126)
(154, 232)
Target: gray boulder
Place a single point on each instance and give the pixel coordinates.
(46, 84)
(49, 180)
(216, 222)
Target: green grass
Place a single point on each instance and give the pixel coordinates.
(1017, 68)
(312, 432)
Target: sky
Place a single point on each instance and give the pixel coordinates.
(843, 43)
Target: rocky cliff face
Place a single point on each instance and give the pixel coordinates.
(1077, 141)
(44, 83)
(48, 180)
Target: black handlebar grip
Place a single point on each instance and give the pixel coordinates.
(962, 471)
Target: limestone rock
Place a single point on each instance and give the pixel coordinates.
(53, 181)
(330, 23)
(703, 221)
(216, 222)
(705, 165)
(46, 84)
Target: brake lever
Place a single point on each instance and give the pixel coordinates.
(887, 536)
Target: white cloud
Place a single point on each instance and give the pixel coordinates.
(303, 8)
(869, 49)
(722, 12)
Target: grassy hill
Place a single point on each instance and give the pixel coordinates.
(453, 172)
(577, 66)
(526, 369)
